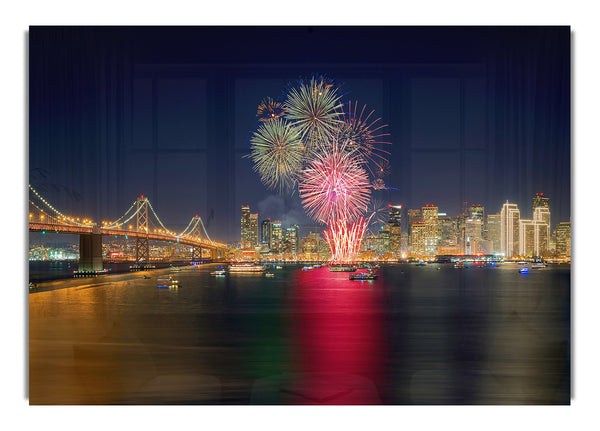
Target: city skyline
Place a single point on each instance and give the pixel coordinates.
(160, 125)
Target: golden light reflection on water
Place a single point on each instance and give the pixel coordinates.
(416, 336)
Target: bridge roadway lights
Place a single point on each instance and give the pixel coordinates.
(90, 252)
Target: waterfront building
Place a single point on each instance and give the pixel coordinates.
(418, 239)
(276, 236)
(246, 228)
(509, 230)
(493, 232)
(430, 220)
(477, 212)
(292, 236)
(265, 232)
(395, 230)
(562, 234)
(473, 236)
(253, 237)
(540, 201)
(414, 216)
(448, 231)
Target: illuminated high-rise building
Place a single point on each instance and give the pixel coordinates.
(395, 230)
(246, 228)
(265, 232)
(562, 233)
(493, 231)
(253, 238)
(473, 237)
(418, 239)
(509, 230)
(539, 200)
(276, 236)
(432, 235)
(414, 216)
(292, 236)
(477, 212)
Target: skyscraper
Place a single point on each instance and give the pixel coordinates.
(493, 231)
(539, 200)
(414, 216)
(395, 230)
(562, 232)
(509, 230)
(473, 237)
(477, 212)
(265, 232)
(246, 227)
(276, 236)
(292, 235)
(418, 239)
(430, 219)
(253, 237)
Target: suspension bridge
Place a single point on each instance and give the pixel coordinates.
(139, 222)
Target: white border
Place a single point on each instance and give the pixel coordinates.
(16, 17)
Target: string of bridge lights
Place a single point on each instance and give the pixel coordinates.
(191, 227)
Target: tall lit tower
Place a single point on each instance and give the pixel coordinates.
(431, 222)
(265, 232)
(493, 231)
(276, 236)
(414, 216)
(245, 227)
(509, 230)
(395, 229)
(539, 200)
(253, 237)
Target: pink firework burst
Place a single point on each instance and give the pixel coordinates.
(334, 186)
(365, 136)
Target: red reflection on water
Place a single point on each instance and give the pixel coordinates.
(339, 337)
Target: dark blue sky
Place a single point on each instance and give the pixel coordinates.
(477, 114)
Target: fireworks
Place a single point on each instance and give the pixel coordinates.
(334, 186)
(335, 154)
(276, 150)
(345, 241)
(269, 109)
(377, 213)
(314, 108)
(364, 136)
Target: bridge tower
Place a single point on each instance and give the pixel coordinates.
(197, 235)
(142, 245)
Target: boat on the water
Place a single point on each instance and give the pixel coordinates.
(459, 264)
(307, 268)
(342, 268)
(219, 272)
(167, 283)
(246, 269)
(363, 276)
(538, 265)
(269, 274)
(524, 270)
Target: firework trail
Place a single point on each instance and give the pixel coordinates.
(269, 109)
(314, 108)
(334, 186)
(377, 214)
(276, 150)
(365, 137)
(345, 240)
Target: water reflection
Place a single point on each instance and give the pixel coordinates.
(338, 342)
(417, 335)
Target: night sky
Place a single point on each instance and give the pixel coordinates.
(476, 114)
